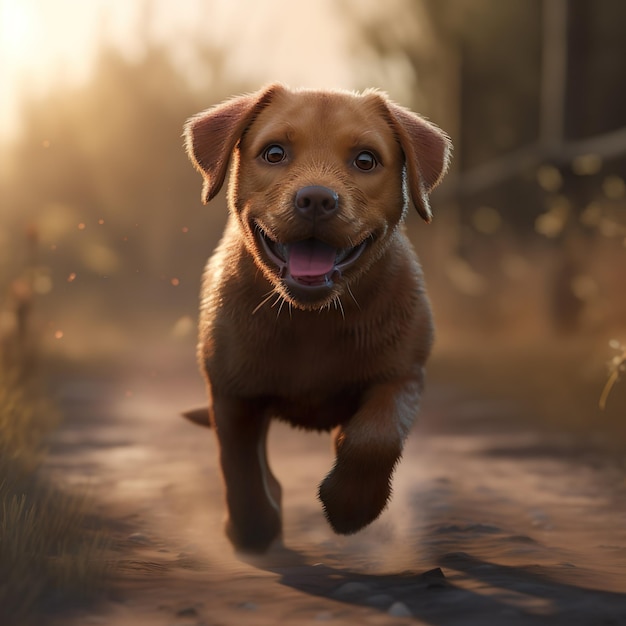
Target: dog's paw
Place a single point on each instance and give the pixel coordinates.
(352, 500)
(255, 534)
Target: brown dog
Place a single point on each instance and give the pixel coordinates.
(313, 305)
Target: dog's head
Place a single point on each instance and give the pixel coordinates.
(320, 180)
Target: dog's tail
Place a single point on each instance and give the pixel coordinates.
(198, 416)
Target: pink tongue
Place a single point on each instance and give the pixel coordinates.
(311, 258)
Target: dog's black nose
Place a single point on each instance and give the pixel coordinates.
(316, 202)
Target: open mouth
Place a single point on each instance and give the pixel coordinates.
(310, 262)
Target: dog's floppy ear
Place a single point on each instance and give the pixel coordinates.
(427, 152)
(211, 136)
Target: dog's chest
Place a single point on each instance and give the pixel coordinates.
(306, 356)
(303, 358)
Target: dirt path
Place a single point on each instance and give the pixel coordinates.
(525, 529)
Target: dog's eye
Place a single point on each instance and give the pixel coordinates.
(365, 161)
(274, 154)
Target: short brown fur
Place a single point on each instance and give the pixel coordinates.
(344, 350)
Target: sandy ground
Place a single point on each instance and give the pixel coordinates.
(491, 522)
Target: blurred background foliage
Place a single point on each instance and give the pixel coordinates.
(103, 237)
(529, 238)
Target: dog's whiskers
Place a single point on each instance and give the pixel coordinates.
(358, 306)
(267, 296)
(338, 302)
(280, 308)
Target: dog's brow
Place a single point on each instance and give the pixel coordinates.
(372, 140)
(365, 137)
(279, 131)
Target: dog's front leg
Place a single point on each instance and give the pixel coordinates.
(253, 494)
(368, 447)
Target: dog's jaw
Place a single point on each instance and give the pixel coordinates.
(310, 270)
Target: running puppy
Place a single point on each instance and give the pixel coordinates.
(313, 306)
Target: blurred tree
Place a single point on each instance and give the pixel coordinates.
(596, 61)
(102, 171)
(108, 150)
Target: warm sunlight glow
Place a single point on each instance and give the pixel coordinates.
(53, 43)
(18, 32)
(27, 50)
